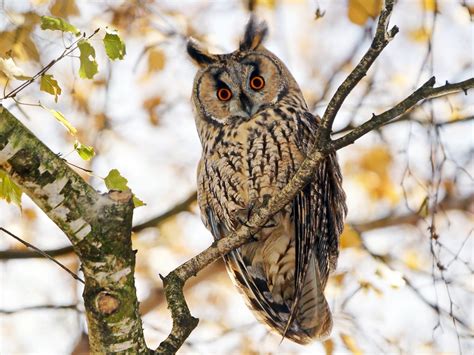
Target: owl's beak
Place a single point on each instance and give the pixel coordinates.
(247, 105)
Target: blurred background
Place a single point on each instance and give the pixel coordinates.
(404, 282)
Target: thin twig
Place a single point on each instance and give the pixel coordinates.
(39, 308)
(68, 50)
(380, 41)
(426, 91)
(153, 222)
(42, 253)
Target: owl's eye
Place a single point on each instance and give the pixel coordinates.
(224, 94)
(257, 83)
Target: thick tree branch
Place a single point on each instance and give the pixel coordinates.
(98, 226)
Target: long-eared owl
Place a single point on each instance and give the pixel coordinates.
(255, 130)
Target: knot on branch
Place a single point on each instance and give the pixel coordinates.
(106, 303)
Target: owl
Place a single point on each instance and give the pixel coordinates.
(255, 130)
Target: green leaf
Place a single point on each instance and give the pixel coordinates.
(58, 24)
(9, 191)
(114, 46)
(89, 66)
(115, 181)
(60, 117)
(50, 85)
(86, 152)
(137, 202)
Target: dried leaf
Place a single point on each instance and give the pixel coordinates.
(156, 60)
(17, 42)
(392, 277)
(60, 117)
(430, 5)
(351, 344)
(412, 260)
(64, 8)
(150, 105)
(328, 346)
(350, 238)
(420, 35)
(359, 11)
(11, 70)
(372, 171)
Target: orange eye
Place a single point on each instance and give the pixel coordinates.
(257, 82)
(224, 94)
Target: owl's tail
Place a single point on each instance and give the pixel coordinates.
(312, 312)
(312, 319)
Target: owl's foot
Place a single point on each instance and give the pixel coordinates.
(243, 215)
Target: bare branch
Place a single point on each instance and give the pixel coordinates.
(426, 91)
(382, 37)
(180, 207)
(51, 253)
(39, 308)
(448, 203)
(39, 251)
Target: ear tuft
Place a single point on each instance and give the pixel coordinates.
(200, 55)
(254, 35)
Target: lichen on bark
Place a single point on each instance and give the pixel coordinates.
(98, 226)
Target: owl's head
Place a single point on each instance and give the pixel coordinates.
(240, 84)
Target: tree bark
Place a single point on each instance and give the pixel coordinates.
(98, 226)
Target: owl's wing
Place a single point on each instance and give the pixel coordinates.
(318, 215)
(253, 284)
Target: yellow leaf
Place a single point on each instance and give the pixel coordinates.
(149, 105)
(271, 4)
(372, 171)
(350, 238)
(421, 34)
(350, 344)
(338, 279)
(455, 114)
(392, 277)
(156, 60)
(63, 120)
(430, 5)
(367, 286)
(17, 42)
(359, 11)
(50, 85)
(64, 8)
(412, 260)
(328, 347)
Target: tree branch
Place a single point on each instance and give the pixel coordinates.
(51, 253)
(98, 226)
(183, 321)
(381, 39)
(449, 203)
(426, 91)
